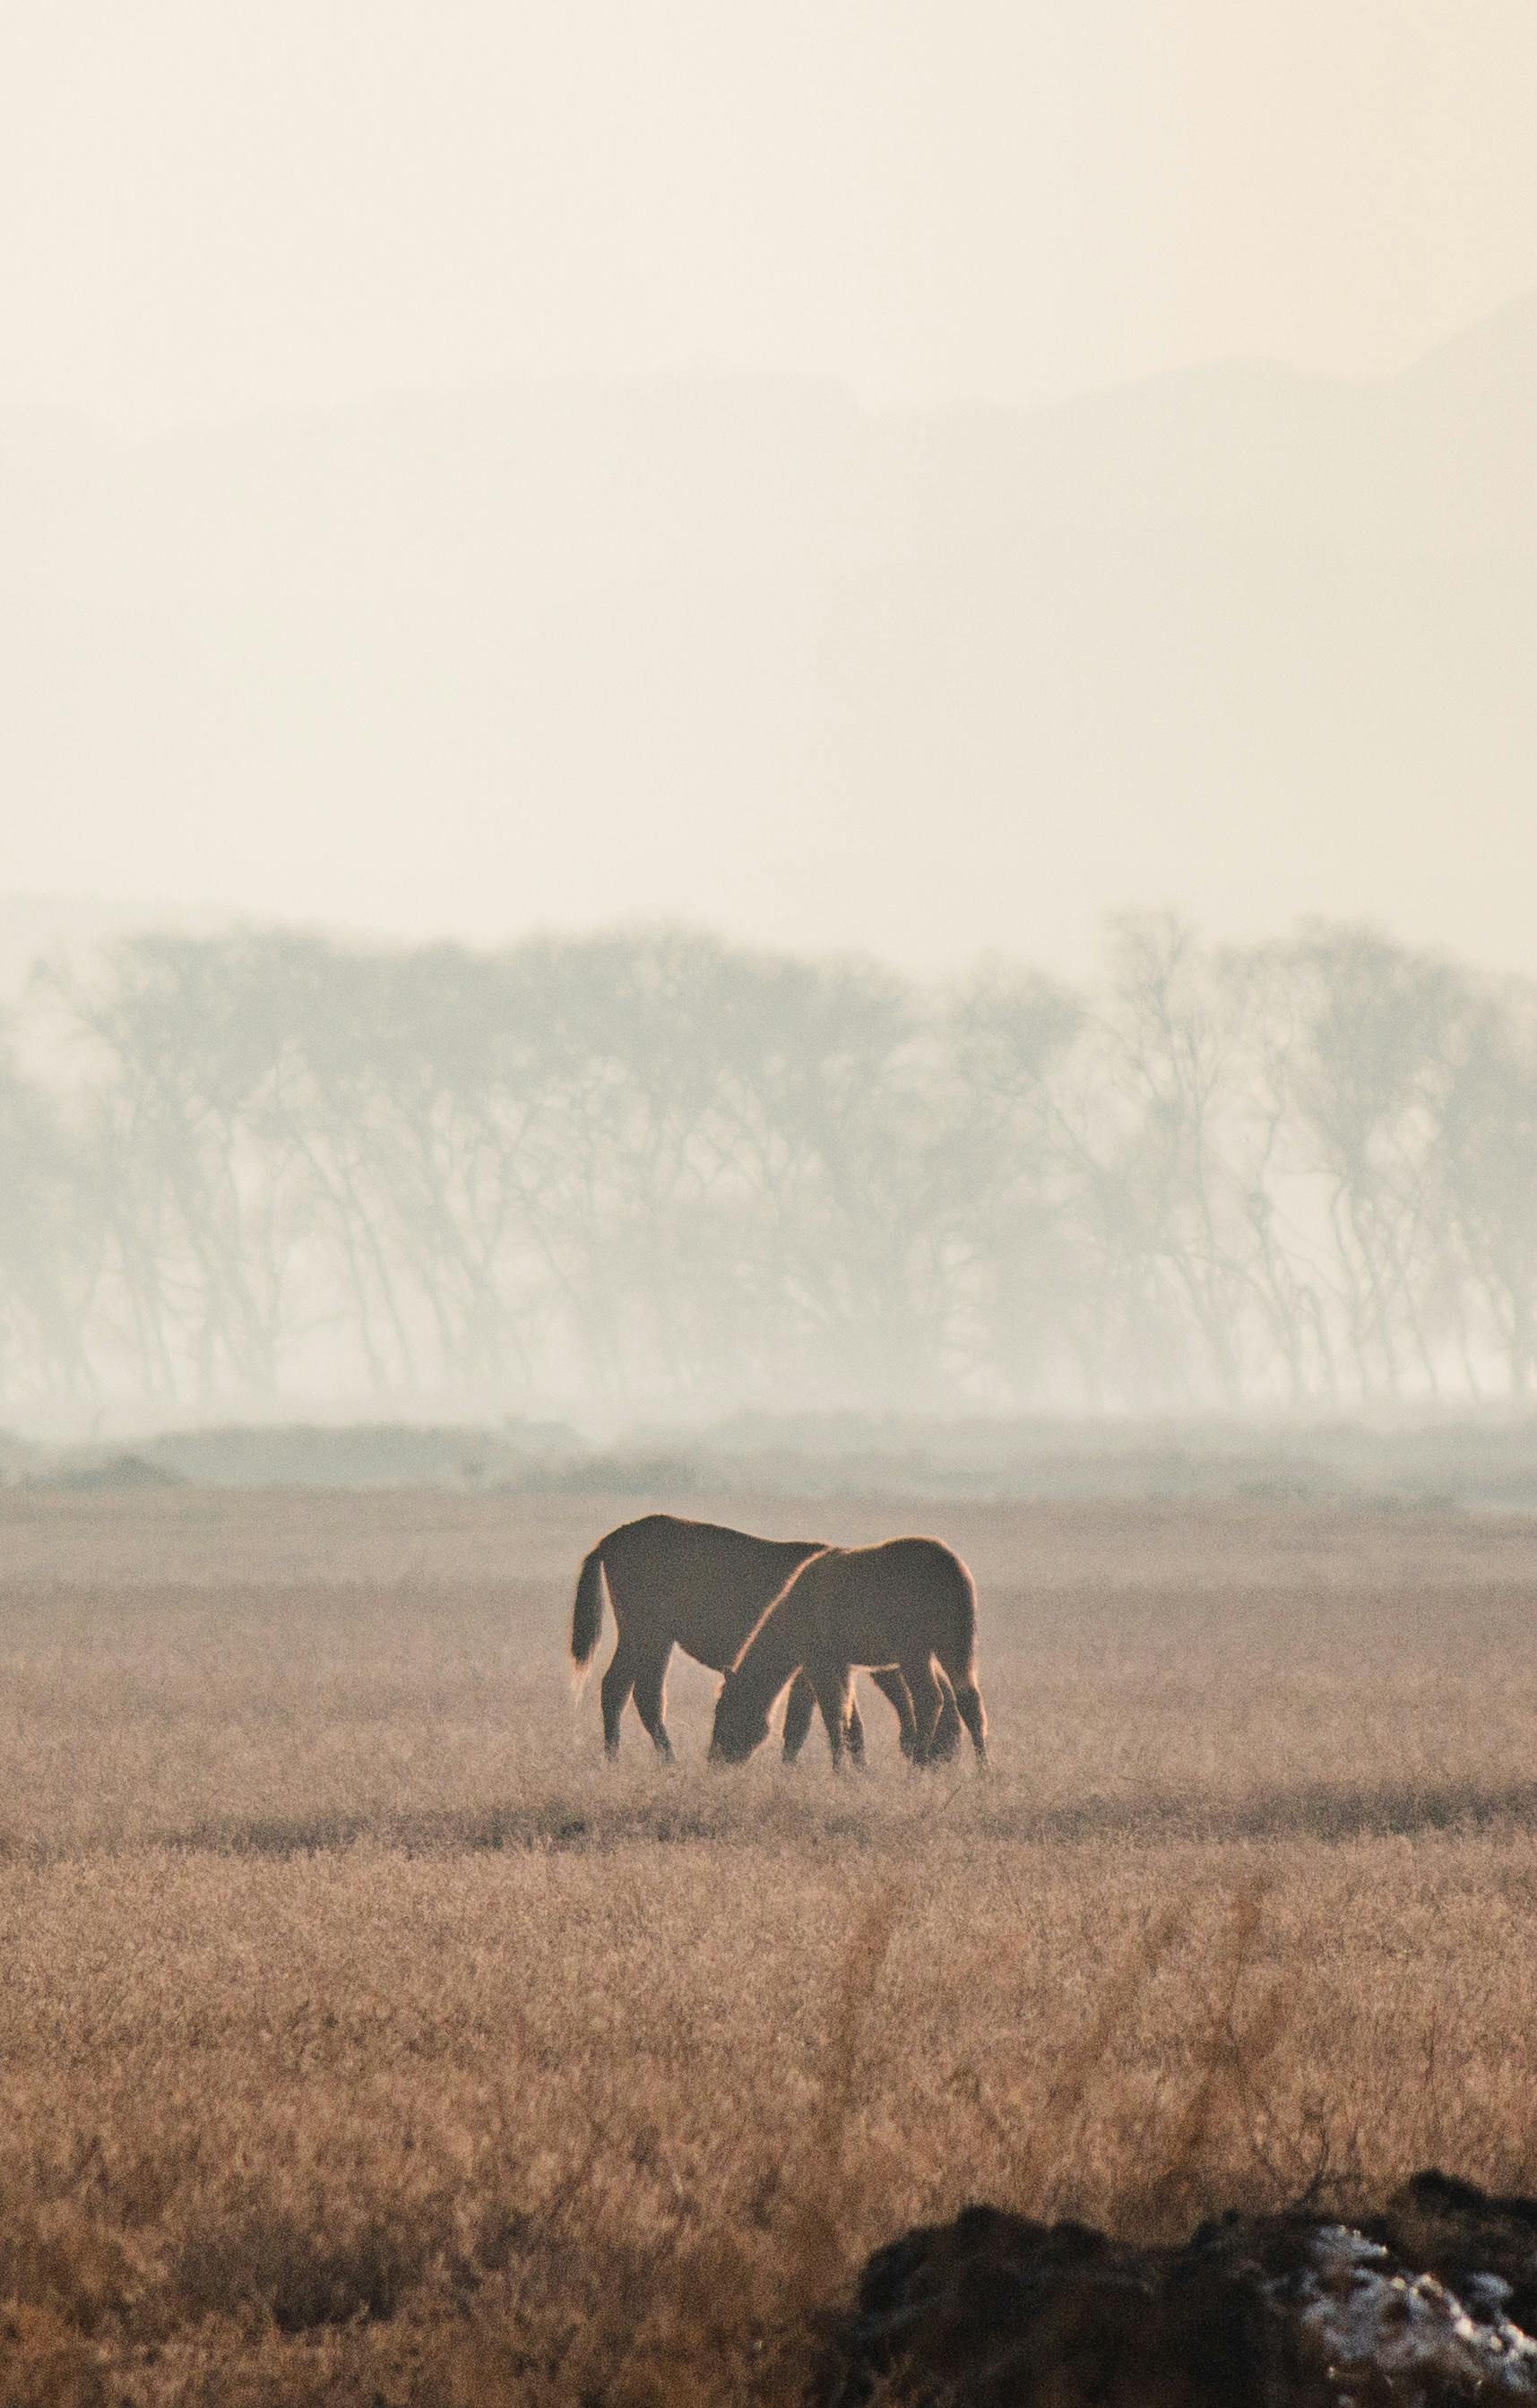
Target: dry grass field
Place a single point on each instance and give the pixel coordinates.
(363, 2037)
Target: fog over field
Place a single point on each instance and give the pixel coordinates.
(650, 1174)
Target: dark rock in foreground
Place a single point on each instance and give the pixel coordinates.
(1433, 2301)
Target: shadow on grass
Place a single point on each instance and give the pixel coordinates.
(1331, 1813)
(696, 1815)
(554, 1826)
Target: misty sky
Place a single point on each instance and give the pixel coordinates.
(213, 209)
(210, 206)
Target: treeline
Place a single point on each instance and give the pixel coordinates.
(657, 1169)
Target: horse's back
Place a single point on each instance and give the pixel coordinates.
(917, 1566)
(701, 1585)
(874, 1605)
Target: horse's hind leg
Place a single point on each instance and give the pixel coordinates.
(618, 1680)
(974, 1715)
(891, 1685)
(800, 1707)
(853, 1729)
(927, 1701)
(650, 1699)
(946, 1740)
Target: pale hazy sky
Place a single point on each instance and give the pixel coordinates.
(211, 204)
(210, 208)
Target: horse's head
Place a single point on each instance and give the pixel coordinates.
(740, 1724)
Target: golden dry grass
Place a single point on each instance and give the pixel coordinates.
(363, 2037)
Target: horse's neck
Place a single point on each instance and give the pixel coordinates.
(777, 1651)
(793, 1553)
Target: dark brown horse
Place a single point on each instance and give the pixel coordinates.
(900, 1608)
(701, 1587)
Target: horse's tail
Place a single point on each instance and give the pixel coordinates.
(957, 1648)
(587, 1614)
(957, 1658)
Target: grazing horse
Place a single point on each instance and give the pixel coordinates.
(899, 1607)
(700, 1587)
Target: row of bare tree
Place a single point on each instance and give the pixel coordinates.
(653, 1166)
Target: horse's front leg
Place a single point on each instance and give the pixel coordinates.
(834, 1687)
(927, 1699)
(889, 1681)
(798, 1716)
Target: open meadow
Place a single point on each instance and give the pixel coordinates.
(364, 2037)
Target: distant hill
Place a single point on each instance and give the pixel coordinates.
(1236, 636)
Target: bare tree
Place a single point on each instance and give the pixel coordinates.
(50, 1248)
(1026, 1279)
(1380, 1027)
(205, 1209)
(651, 1164)
(1485, 1175)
